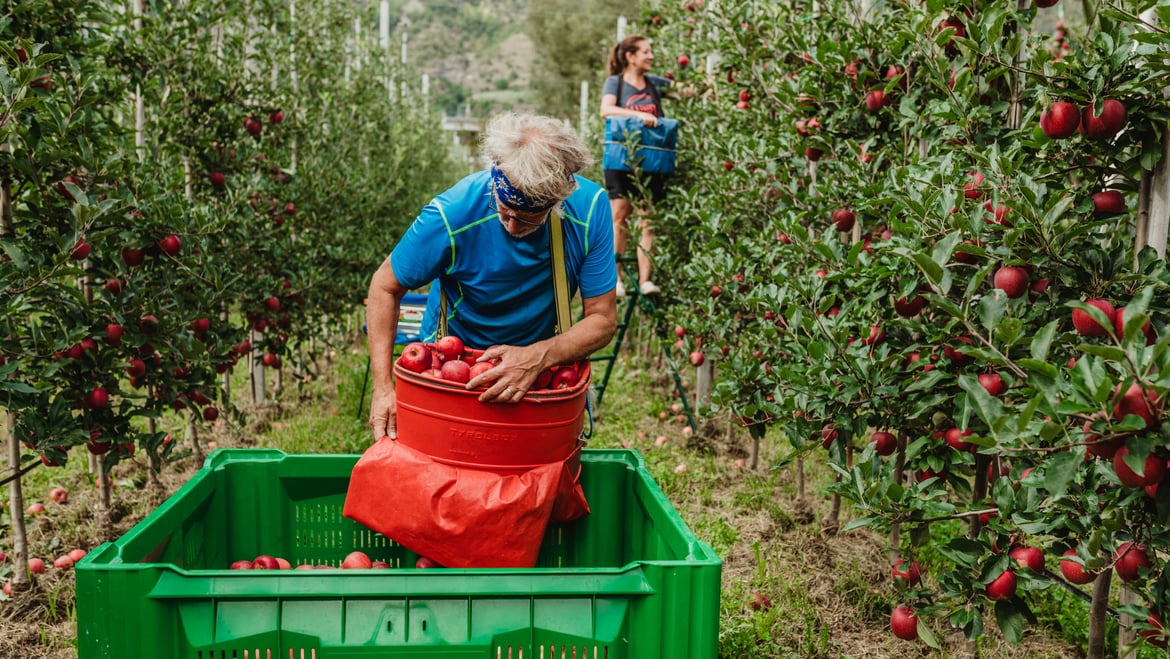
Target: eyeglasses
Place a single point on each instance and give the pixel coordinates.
(507, 214)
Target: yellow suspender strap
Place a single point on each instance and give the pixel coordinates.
(560, 276)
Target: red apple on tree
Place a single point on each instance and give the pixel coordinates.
(828, 434)
(974, 188)
(906, 572)
(1012, 280)
(1073, 571)
(1108, 202)
(683, 61)
(1060, 120)
(843, 219)
(1153, 469)
(954, 437)
(1003, 587)
(1136, 400)
(133, 256)
(908, 308)
(171, 245)
(137, 368)
(1129, 559)
(97, 398)
(1119, 326)
(1028, 557)
(904, 623)
(1086, 325)
(875, 99)
(884, 443)
(1105, 125)
(80, 250)
(148, 324)
(114, 333)
(992, 383)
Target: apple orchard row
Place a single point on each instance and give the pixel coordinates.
(915, 237)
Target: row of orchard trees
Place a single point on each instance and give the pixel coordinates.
(182, 187)
(887, 223)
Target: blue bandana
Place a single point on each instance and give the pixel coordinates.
(512, 197)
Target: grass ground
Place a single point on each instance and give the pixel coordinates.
(830, 594)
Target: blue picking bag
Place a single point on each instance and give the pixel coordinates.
(655, 148)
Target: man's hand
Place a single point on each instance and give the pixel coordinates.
(383, 416)
(512, 376)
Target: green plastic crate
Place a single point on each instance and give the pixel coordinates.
(628, 581)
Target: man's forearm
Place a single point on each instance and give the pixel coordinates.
(382, 306)
(588, 336)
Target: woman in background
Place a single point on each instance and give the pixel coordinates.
(630, 91)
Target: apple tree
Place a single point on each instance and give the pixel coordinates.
(880, 228)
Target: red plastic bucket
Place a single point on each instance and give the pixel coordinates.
(448, 423)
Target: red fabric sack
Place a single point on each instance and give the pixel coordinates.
(462, 516)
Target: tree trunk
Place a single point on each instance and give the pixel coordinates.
(800, 477)
(978, 492)
(899, 477)
(193, 437)
(1098, 609)
(226, 378)
(20, 578)
(755, 457)
(155, 459)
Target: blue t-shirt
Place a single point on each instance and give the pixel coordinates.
(500, 288)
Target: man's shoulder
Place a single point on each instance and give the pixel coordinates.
(458, 202)
(586, 192)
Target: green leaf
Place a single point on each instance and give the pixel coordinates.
(1043, 341)
(962, 551)
(990, 410)
(1112, 353)
(858, 523)
(991, 308)
(1039, 367)
(1059, 471)
(15, 254)
(926, 635)
(1011, 621)
(932, 270)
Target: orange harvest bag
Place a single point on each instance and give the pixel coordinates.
(462, 516)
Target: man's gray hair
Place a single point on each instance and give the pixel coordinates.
(538, 154)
